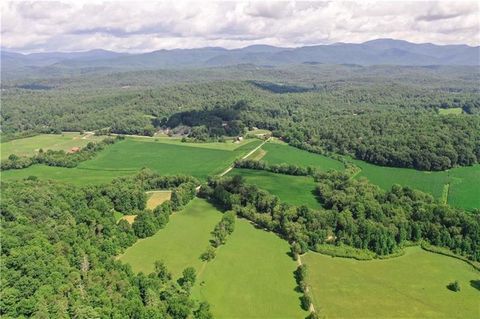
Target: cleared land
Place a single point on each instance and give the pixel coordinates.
(251, 277)
(68, 175)
(179, 244)
(129, 156)
(454, 111)
(228, 145)
(464, 190)
(129, 218)
(295, 190)
(278, 153)
(156, 198)
(30, 145)
(410, 286)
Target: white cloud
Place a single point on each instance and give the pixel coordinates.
(151, 25)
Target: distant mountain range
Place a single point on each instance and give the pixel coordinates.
(375, 52)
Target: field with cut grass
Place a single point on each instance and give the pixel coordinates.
(295, 190)
(228, 145)
(251, 277)
(464, 189)
(30, 145)
(278, 153)
(133, 155)
(74, 176)
(156, 198)
(179, 244)
(129, 156)
(410, 286)
(454, 111)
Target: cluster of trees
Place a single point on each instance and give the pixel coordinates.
(58, 158)
(288, 169)
(59, 244)
(182, 195)
(211, 123)
(220, 233)
(300, 278)
(223, 229)
(149, 222)
(355, 213)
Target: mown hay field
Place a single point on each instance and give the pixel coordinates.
(29, 146)
(295, 190)
(409, 286)
(251, 277)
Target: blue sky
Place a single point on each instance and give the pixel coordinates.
(142, 26)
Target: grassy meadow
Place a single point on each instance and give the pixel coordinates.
(179, 244)
(228, 145)
(129, 156)
(295, 190)
(132, 155)
(277, 153)
(30, 145)
(410, 286)
(464, 190)
(74, 176)
(251, 277)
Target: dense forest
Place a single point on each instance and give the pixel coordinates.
(383, 115)
(355, 213)
(59, 244)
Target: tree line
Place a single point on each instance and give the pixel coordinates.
(355, 213)
(220, 233)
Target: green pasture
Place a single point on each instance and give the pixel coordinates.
(295, 190)
(228, 145)
(69, 175)
(464, 190)
(282, 153)
(129, 156)
(179, 244)
(132, 155)
(410, 286)
(251, 277)
(30, 145)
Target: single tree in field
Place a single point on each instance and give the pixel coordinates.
(454, 286)
(209, 254)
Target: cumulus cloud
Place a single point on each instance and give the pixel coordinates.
(151, 25)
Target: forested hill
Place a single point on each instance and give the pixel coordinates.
(393, 116)
(376, 52)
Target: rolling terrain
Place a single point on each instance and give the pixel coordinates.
(409, 286)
